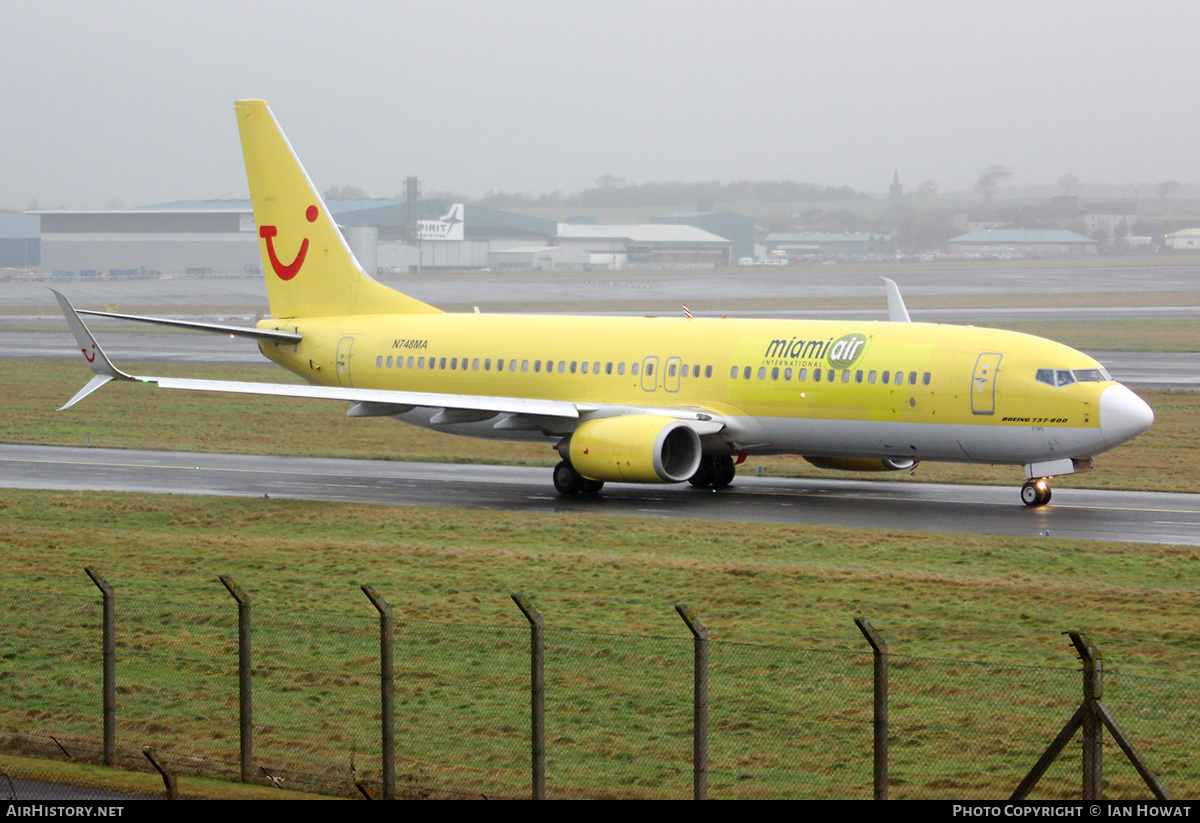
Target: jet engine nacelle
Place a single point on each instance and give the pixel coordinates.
(635, 448)
(863, 464)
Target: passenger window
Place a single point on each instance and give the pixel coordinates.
(746, 373)
(379, 361)
(858, 376)
(584, 367)
(816, 375)
(802, 375)
(562, 366)
(475, 364)
(442, 363)
(596, 367)
(927, 378)
(707, 371)
(524, 365)
(420, 362)
(620, 368)
(733, 373)
(608, 368)
(649, 369)
(845, 375)
(633, 369)
(762, 372)
(912, 378)
(887, 375)
(500, 365)
(574, 365)
(410, 362)
(871, 377)
(775, 373)
(671, 370)
(787, 374)
(537, 365)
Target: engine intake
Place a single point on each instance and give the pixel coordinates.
(635, 448)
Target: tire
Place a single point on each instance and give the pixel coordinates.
(567, 481)
(591, 486)
(1032, 495)
(723, 471)
(703, 477)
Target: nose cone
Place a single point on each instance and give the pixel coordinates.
(1123, 415)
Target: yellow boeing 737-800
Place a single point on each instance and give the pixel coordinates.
(650, 400)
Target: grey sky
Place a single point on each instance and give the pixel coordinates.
(132, 102)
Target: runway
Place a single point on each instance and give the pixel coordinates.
(1114, 516)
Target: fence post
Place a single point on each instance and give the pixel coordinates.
(109, 657)
(245, 695)
(699, 702)
(879, 650)
(1093, 729)
(386, 691)
(537, 695)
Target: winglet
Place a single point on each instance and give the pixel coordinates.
(897, 312)
(96, 359)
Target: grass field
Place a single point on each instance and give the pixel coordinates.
(974, 624)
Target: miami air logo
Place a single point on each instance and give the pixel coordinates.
(846, 350)
(286, 271)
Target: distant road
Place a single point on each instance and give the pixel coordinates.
(738, 284)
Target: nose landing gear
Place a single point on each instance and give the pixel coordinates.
(1036, 492)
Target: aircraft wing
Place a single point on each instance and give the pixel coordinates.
(455, 408)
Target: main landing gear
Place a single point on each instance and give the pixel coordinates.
(715, 472)
(569, 482)
(1036, 492)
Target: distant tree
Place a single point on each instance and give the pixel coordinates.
(609, 181)
(1168, 188)
(992, 177)
(1068, 184)
(345, 193)
(927, 190)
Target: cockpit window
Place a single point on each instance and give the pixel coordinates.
(1065, 377)
(1092, 376)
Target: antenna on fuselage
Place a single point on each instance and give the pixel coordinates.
(897, 311)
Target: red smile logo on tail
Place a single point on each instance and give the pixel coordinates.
(288, 271)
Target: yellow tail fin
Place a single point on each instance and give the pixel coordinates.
(309, 269)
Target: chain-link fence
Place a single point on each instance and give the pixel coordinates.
(619, 717)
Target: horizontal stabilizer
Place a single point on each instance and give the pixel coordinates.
(268, 335)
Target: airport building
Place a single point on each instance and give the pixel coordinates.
(202, 238)
(1025, 242)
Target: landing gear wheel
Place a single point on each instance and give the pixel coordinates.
(723, 471)
(703, 477)
(567, 481)
(591, 486)
(715, 472)
(1035, 492)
